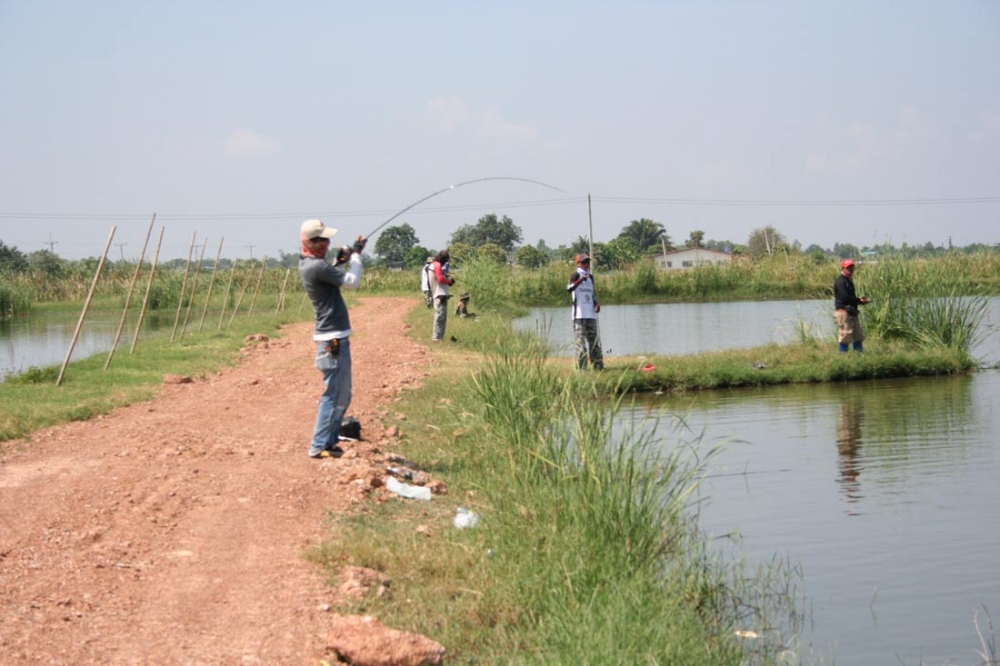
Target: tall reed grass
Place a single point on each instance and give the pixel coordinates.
(14, 301)
(587, 550)
(925, 303)
(787, 276)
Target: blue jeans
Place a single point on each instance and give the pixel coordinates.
(336, 396)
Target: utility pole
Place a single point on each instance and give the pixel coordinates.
(590, 222)
(251, 246)
(121, 250)
(52, 244)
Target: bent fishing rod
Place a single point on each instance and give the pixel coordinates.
(455, 186)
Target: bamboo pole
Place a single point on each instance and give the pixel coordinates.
(236, 308)
(225, 300)
(260, 278)
(194, 286)
(149, 288)
(131, 289)
(86, 306)
(211, 284)
(281, 297)
(180, 302)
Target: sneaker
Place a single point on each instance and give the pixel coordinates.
(335, 452)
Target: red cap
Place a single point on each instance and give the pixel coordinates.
(580, 258)
(846, 262)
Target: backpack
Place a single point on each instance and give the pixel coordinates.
(350, 428)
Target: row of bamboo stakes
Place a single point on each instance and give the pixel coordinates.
(180, 303)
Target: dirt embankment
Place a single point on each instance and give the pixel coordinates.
(172, 531)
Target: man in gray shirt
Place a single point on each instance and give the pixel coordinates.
(323, 282)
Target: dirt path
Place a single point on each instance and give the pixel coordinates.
(172, 531)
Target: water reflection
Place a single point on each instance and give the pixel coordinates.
(883, 490)
(848, 445)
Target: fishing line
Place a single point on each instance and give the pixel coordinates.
(457, 185)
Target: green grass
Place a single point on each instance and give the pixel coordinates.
(794, 363)
(586, 552)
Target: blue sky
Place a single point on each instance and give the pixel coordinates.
(858, 122)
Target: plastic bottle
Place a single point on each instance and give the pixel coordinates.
(406, 490)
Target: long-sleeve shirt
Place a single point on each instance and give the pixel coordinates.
(442, 281)
(843, 293)
(323, 282)
(425, 277)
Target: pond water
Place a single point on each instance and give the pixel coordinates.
(885, 493)
(689, 328)
(43, 340)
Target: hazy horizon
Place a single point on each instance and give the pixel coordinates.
(834, 122)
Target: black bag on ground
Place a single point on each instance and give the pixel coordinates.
(350, 427)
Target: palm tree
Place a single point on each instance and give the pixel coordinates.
(646, 234)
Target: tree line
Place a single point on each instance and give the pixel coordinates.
(499, 238)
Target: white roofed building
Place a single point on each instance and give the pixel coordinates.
(690, 257)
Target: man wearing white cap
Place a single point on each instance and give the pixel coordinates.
(585, 309)
(323, 282)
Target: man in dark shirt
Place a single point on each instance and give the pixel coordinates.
(323, 282)
(845, 308)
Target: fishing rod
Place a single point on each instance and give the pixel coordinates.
(455, 186)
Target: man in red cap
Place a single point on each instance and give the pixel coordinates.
(585, 309)
(845, 308)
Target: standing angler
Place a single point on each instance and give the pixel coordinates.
(585, 309)
(425, 282)
(845, 308)
(323, 282)
(441, 281)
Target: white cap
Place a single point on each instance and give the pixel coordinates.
(316, 229)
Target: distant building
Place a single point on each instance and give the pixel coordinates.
(691, 257)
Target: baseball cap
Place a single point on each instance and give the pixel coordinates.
(846, 262)
(316, 229)
(580, 258)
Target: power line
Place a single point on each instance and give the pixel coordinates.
(276, 216)
(672, 201)
(802, 202)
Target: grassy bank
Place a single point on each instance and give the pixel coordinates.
(586, 551)
(795, 363)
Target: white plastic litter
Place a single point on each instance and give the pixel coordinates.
(406, 490)
(465, 518)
